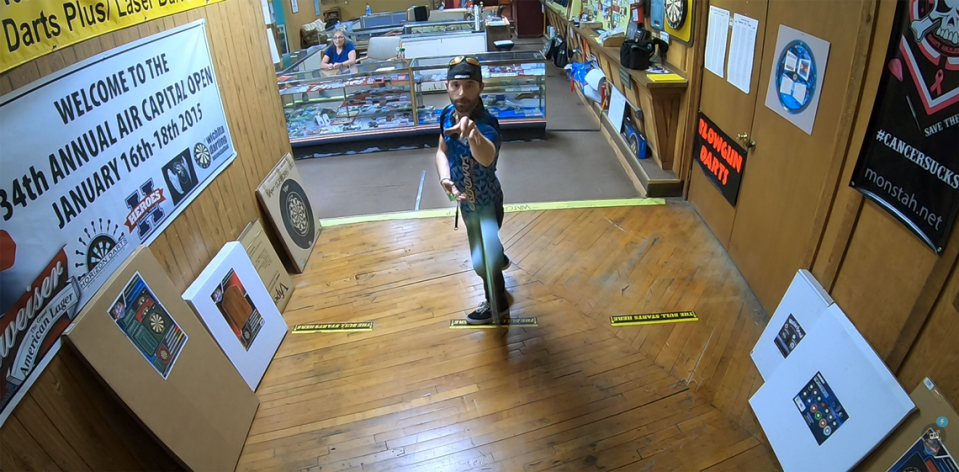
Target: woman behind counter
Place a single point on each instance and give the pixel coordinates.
(342, 53)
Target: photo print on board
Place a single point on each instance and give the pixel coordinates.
(148, 325)
(238, 309)
(927, 454)
(789, 336)
(820, 408)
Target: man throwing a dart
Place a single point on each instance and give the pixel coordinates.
(466, 163)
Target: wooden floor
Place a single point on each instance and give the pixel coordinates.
(571, 394)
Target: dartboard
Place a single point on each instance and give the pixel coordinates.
(157, 324)
(202, 155)
(675, 13)
(297, 214)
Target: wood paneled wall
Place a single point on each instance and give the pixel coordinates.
(67, 420)
(358, 7)
(689, 59)
(900, 295)
(893, 287)
(294, 21)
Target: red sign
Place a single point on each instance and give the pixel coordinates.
(721, 159)
(34, 323)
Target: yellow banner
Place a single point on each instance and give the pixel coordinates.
(32, 28)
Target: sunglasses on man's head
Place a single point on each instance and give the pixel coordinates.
(469, 60)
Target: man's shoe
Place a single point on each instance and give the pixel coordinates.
(480, 316)
(484, 315)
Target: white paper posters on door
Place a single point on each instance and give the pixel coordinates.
(97, 159)
(797, 74)
(741, 52)
(716, 36)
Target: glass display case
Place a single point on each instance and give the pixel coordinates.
(361, 37)
(373, 100)
(515, 87)
(437, 26)
(377, 20)
(363, 99)
(300, 60)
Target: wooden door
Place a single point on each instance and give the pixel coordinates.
(774, 228)
(731, 110)
(530, 16)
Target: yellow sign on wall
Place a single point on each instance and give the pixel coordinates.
(32, 28)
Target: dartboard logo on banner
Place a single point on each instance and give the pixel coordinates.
(932, 50)
(99, 245)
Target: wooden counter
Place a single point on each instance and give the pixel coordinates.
(660, 101)
(555, 17)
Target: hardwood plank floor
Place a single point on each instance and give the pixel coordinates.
(571, 394)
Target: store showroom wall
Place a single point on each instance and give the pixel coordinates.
(803, 204)
(67, 414)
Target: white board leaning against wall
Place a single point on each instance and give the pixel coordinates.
(97, 159)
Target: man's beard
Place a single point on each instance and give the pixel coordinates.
(464, 106)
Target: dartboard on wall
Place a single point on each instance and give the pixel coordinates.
(297, 214)
(675, 13)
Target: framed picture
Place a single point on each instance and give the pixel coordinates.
(238, 311)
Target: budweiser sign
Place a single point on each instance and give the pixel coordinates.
(34, 323)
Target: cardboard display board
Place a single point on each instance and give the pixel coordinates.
(831, 401)
(928, 441)
(290, 211)
(232, 302)
(798, 311)
(267, 263)
(152, 351)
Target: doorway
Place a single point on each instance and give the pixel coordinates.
(772, 229)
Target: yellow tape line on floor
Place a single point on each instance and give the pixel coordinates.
(450, 212)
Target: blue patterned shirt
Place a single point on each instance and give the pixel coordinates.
(476, 180)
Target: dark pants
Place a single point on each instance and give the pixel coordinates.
(472, 221)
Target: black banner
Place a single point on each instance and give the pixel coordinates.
(721, 159)
(909, 162)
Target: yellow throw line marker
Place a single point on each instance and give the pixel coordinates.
(653, 318)
(333, 327)
(512, 208)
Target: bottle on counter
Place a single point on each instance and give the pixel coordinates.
(368, 10)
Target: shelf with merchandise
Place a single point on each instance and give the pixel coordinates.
(514, 87)
(431, 27)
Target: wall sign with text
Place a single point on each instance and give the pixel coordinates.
(721, 159)
(97, 159)
(37, 27)
(908, 164)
